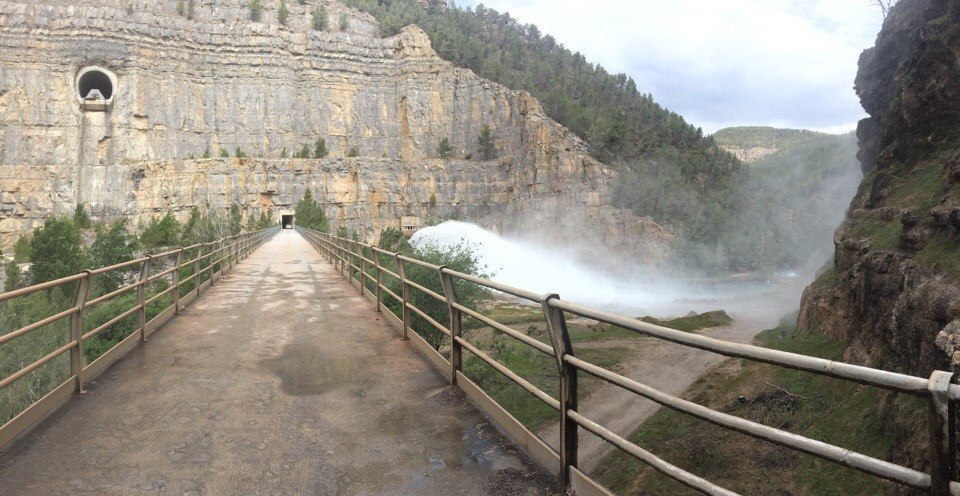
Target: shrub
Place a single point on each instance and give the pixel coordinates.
(320, 148)
(12, 276)
(224, 153)
(239, 153)
(162, 232)
(354, 152)
(390, 238)
(309, 213)
(114, 244)
(283, 13)
(344, 22)
(485, 143)
(56, 251)
(444, 149)
(80, 217)
(21, 250)
(319, 18)
(256, 10)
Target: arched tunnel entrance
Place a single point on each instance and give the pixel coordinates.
(286, 221)
(95, 80)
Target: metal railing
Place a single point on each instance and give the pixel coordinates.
(349, 257)
(210, 261)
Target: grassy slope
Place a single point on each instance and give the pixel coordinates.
(762, 136)
(877, 423)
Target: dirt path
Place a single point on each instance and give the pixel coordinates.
(280, 379)
(665, 366)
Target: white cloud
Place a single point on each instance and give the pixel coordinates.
(738, 62)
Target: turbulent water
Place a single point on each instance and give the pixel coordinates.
(637, 291)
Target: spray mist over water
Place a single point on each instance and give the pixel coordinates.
(638, 291)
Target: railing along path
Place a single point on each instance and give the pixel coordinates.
(360, 263)
(210, 261)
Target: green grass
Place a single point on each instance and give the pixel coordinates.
(874, 422)
(691, 323)
(941, 254)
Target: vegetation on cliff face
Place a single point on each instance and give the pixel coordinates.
(623, 126)
(894, 290)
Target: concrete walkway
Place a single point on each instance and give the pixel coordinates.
(280, 379)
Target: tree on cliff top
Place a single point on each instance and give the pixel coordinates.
(320, 148)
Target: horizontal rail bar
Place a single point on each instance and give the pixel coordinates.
(38, 324)
(519, 336)
(392, 273)
(520, 381)
(110, 322)
(39, 287)
(658, 464)
(440, 327)
(436, 296)
(855, 373)
(391, 293)
(121, 265)
(158, 275)
(418, 262)
(114, 293)
(37, 364)
(159, 295)
(503, 288)
(836, 454)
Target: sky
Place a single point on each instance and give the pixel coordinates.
(783, 63)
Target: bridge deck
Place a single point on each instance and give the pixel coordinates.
(280, 379)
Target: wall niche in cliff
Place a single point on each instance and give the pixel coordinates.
(95, 88)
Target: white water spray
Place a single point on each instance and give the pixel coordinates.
(545, 269)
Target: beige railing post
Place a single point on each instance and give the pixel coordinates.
(562, 347)
(405, 293)
(456, 318)
(196, 269)
(363, 267)
(943, 434)
(376, 263)
(76, 332)
(142, 297)
(176, 282)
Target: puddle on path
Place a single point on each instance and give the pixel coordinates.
(306, 368)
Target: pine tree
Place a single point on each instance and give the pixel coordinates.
(485, 142)
(320, 148)
(444, 149)
(319, 18)
(12, 276)
(256, 10)
(56, 251)
(344, 22)
(80, 217)
(181, 7)
(283, 13)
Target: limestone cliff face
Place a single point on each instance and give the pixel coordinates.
(895, 289)
(186, 88)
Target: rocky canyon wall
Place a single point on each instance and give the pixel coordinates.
(894, 290)
(190, 87)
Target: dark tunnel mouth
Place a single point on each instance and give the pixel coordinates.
(95, 80)
(286, 221)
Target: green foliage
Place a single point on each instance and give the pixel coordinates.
(462, 258)
(303, 153)
(310, 214)
(190, 8)
(206, 153)
(319, 18)
(181, 7)
(390, 239)
(257, 223)
(320, 148)
(161, 232)
(224, 153)
(284, 153)
(485, 142)
(114, 244)
(56, 251)
(80, 217)
(21, 250)
(283, 14)
(13, 276)
(444, 149)
(256, 10)
(236, 219)
(344, 22)
(239, 153)
(695, 322)
(354, 152)
(204, 227)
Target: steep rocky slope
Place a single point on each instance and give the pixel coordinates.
(894, 290)
(187, 88)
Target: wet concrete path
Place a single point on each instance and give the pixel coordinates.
(280, 379)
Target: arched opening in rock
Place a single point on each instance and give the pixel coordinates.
(95, 85)
(286, 221)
